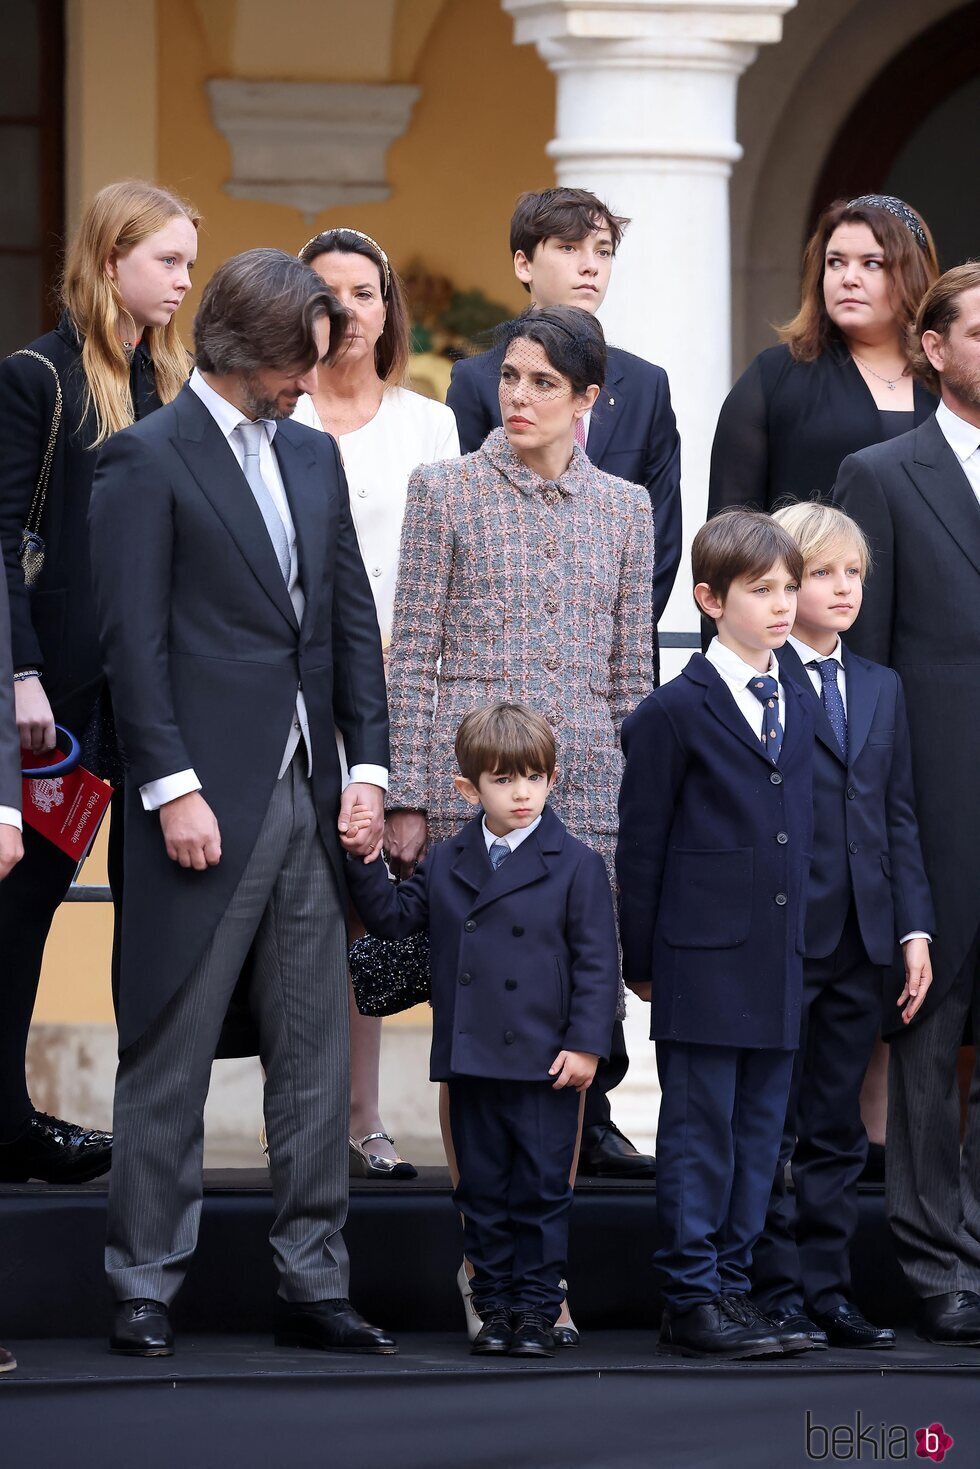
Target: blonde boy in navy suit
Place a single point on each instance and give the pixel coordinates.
(525, 984)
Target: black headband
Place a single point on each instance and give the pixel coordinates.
(894, 206)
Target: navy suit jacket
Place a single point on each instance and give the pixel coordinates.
(714, 844)
(632, 434)
(866, 837)
(524, 959)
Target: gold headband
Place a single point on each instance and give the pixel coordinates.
(345, 230)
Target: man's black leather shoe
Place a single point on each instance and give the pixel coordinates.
(55, 1152)
(496, 1335)
(606, 1153)
(142, 1329)
(847, 1327)
(533, 1336)
(797, 1323)
(716, 1330)
(952, 1319)
(790, 1337)
(330, 1326)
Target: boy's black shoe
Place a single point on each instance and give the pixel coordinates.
(716, 1330)
(796, 1321)
(533, 1335)
(495, 1335)
(847, 1327)
(792, 1337)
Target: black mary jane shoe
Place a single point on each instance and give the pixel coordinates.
(846, 1326)
(330, 1326)
(496, 1335)
(365, 1164)
(141, 1328)
(533, 1335)
(54, 1151)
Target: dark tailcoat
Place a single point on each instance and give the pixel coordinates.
(53, 623)
(9, 742)
(866, 837)
(786, 426)
(921, 616)
(204, 658)
(714, 844)
(524, 959)
(632, 434)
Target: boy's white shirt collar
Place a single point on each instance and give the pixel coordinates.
(512, 838)
(733, 669)
(962, 437)
(806, 654)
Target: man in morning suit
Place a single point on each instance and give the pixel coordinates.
(238, 629)
(563, 242)
(917, 498)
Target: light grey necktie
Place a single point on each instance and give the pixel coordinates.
(499, 852)
(251, 436)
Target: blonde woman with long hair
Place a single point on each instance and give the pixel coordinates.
(114, 357)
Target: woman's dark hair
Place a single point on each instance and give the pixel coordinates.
(572, 341)
(392, 349)
(260, 309)
(912, 266)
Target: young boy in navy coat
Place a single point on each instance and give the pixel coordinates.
(867, 890)
(525, 984)
(714, 837)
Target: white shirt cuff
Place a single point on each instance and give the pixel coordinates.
(917, 933)
(10, 816)
(157, 793)
(372, 775)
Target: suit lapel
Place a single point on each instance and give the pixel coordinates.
(862, 700)
(308, 507)
(211, 460)
(528, 864)
(607, 413)
(791, 665)
(940, 479)
(722, 705)
(796, 722)
(471, 863)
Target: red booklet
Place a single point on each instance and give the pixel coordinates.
(67, 809)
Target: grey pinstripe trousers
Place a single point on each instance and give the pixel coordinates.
(932, 1186)
(286, 902)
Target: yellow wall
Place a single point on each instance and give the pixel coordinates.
(476, 140)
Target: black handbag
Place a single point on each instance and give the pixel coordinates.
(389, 975)
(32, 547)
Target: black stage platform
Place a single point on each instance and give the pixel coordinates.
(609, 1404)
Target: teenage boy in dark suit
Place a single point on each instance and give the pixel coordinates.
(525, 983)
(715, 828)
(867, 889)
(563, 242)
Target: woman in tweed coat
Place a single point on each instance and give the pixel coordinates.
(525, 586)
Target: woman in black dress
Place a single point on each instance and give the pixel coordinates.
(840, 378)
(114, 356)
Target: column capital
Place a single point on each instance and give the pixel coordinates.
(664, 28)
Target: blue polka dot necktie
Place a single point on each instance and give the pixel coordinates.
(766, 690)
(499, 852)
(830, 698)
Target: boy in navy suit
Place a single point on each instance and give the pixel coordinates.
(715, 828)
(525, 983)
(867, 889)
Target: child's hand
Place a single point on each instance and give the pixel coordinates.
(573, 1068)
(642, 990)
(918, 977)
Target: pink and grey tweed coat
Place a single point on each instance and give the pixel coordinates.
(515, 588)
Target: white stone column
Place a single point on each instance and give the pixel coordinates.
(646, 120)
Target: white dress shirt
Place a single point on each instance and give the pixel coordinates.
(737, 675)
(10, 816)
(227, 416)
(512, 838)
(964, 440)
(806, 654)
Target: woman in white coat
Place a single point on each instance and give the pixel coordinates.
(384, 432)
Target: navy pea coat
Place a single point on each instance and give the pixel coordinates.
(866, 837)
(524, 959)
(712, 858)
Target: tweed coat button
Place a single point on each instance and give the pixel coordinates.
(780, 900)
(852, 847)
(552, 662)
(510, 984)
(782, 838)
(551, 606)
(466, 979)
(549, 550)
(776, 778)
(509, 1037)
(470, 925)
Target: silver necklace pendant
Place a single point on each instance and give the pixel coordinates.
(891, 387)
